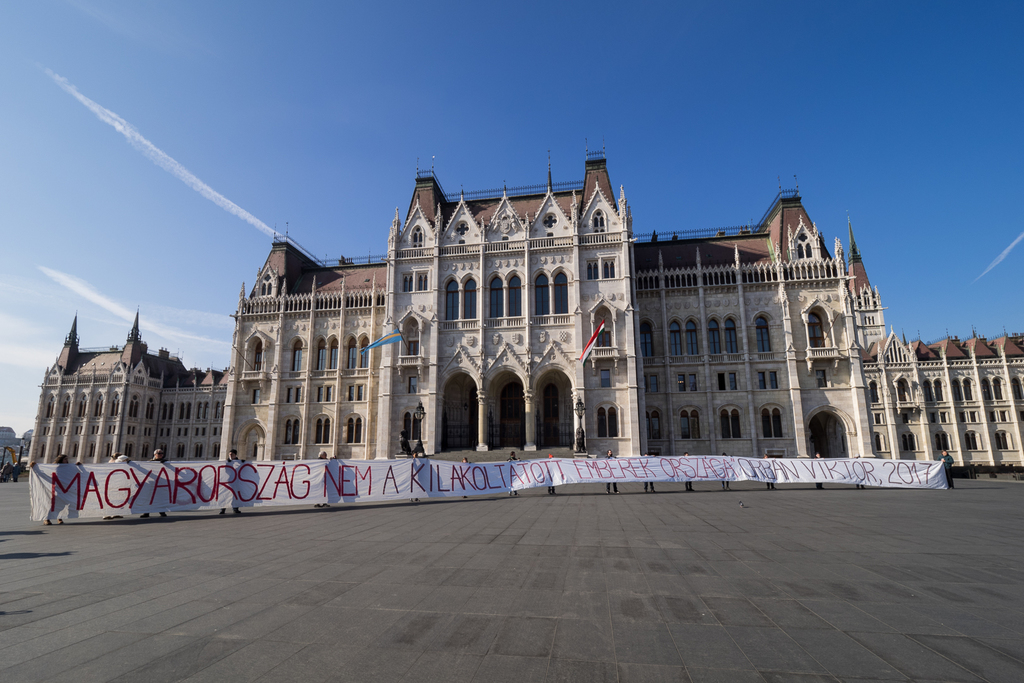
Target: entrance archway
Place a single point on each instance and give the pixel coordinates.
(251, 445)
(555, 416)
(460, 413)
(508, 430)
(828, 436)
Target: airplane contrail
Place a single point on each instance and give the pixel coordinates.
(158, 157)
(999, 259)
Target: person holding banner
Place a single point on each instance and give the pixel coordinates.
(551, 489)
(158, 456)
(770, 485)
(512, 458)
(61, 460)
(689, 484)
(818, 484)
(609, 485)
(725, 484)
(646, 483)
(947, 467)
(233, 462)
(322, 456)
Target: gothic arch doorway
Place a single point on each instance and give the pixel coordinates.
(511, 416)
(828, 436)
(460, 413)
(555, 416)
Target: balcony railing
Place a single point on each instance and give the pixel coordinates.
(461, 250)
(769, 356)
(409, 360)
(606, 352)
(447, 325)
(551, 320)
(600, 238)
(824, 352)
(414, 253)
(506, 322)
(498, 247)
(254, 375)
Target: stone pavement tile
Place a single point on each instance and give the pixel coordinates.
(1010, 619)
(987, 663)
(216, 620)
(169, 618)
(583, 640)
(668, 584)
(787, 677)
(651, 673)
(491, 601)
(789, 613)
(537, 603)
(642, 643)
(39, 607)
(773, 650)
(705, 675)
(525, 637)
(472, 578)
(414, 630)
(443, 667)
(801, 590)
(43, 665)
(446, 599)
(355, 627)
(183, 662)
(246, 663)
(319, 593)
(504, 669)
(570, 671)
(843, 656)
(632, 608)
(736, 612)
(911, 658)
(963, 622)
(1013, 647)
(264, 622)
(904, 620)
(707, 646)
(584, 605)
(124, 659)
(844, 616)
(467, 634)
(684, 609)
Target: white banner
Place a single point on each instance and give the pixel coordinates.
(74, 490)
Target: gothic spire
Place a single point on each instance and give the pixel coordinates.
(549, 170)
(72, 338)
(854, 251)
(135, 335)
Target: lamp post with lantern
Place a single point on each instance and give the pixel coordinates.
(581, 434)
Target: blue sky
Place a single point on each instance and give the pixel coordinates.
(907, 115)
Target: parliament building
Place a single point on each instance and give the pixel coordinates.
(751, 340)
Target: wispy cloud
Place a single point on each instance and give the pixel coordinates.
(158, 157)
(1003, 255)
(89, 293)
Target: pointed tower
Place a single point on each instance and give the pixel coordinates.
(70, 350)
(134, 347)
(867, 304)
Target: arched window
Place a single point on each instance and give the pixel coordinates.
(646, 341)
(986, 390)
(561, 294)
(689, 425)
(115, 406)
(359, 430)
(497, 298)
(334, 354)
(417, 237)
(613, 423)
(971, 441)
(98, 408)
(288, 431)
(957, 395)
(198, 450)
(353, 360)
(542, 301)
(675, 339)
(730, 337)
(873, 387)
(653, 424)
(730, 424)
(49, 407)
(815, 335)
(771, 423)
(181, 451)
(692, 346)
(65, 408)
(350, 431)
(451, 301)
(150, 410)
(938, 390)
(602, 423)
(188, 411)
(323, 431)
(714, 338)
(515, 297)
(296, 432)
(941, 441)
(1002, 441)
(927, 387)
(83, 405)
(407, 424)
(469, 300)
(133, 407)
(968, 390)
(901, 391)
(297, 355)
(257, 356)
(878, 442)
(908, 442)
(364, 356)
(764, 340)
(609, 269)
(598, 219)
(321, 355)
(997, 389)
(1018, 392)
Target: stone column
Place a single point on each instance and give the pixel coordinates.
(481, 432)
(531, 427)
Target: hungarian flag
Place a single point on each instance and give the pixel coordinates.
(589, 348)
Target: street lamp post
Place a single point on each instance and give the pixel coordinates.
(581, 435)
(418, 415)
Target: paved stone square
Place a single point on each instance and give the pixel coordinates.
(798, 585)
